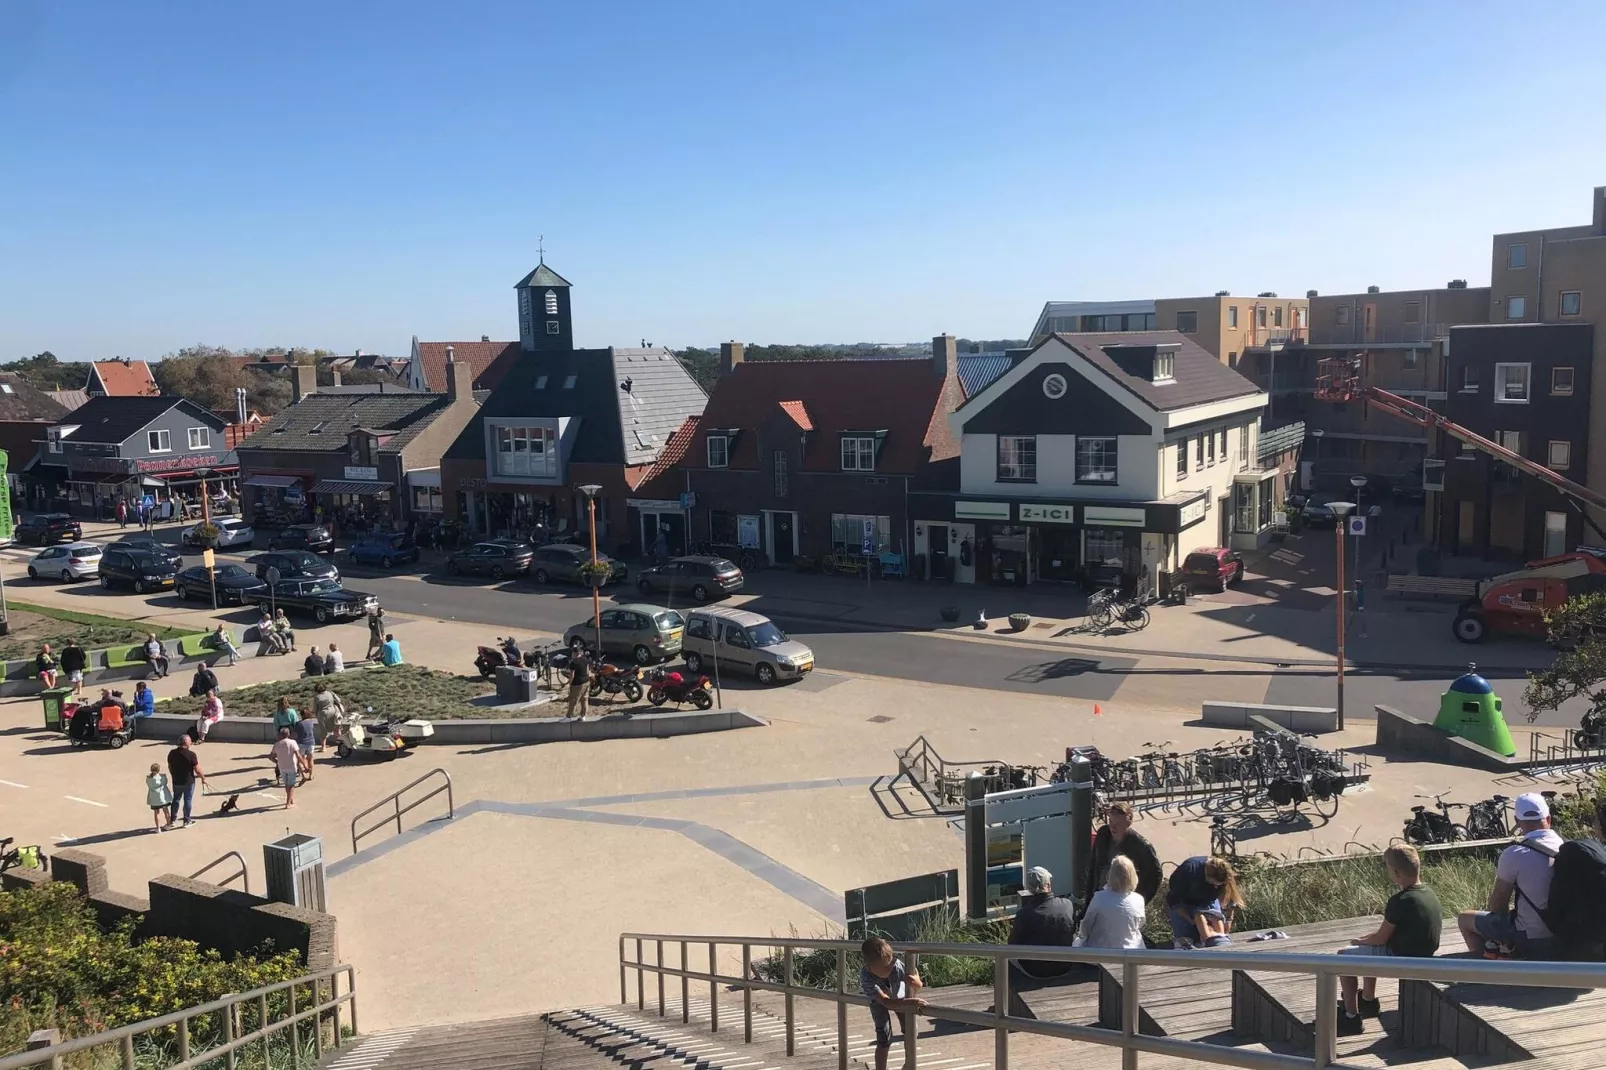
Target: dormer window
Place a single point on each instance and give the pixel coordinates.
(719, 450)
(1165, 366)
(552, 302)
(858, 453)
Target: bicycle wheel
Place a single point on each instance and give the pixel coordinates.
(1326, 807)
(1137, 618)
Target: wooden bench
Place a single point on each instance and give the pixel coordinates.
(1432, 586)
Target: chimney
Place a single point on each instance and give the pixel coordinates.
(1600, 210)
(1310, 293)
(944, 355)
(304, 378)
(730, 355)
(335, 373)
(459, 379)
(485, 338)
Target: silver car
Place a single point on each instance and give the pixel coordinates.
(67, 562)
(743, 642)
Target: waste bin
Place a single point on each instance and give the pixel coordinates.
(55, 698)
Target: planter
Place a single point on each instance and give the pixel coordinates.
(950, 613)
(1020, 621)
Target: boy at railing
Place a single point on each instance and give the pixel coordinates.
(888, 987)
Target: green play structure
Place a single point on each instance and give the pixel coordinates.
(1470, 709)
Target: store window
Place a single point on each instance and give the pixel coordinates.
(847, 532)
(1101, 546)
(526, 451)
(722, 528)
(1096, 460)
(1243, 508)
(427, 500)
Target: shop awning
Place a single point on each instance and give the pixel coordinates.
(346, 486)
(271, 481)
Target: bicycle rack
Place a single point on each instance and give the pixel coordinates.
(395, 798)
(939, 781)
(243, 876)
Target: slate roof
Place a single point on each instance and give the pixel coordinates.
(1200, 377)
(125, 378)
(107, 419)
(22, 402)
(490, 361)
(320, 422)
(617, 426)
(68, 399)
(542, 276)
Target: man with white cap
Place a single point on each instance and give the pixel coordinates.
(1516, 930)
(1044, 919)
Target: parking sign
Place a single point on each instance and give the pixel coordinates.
(867, 547)
(1357, 525)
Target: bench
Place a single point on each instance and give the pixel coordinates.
(1432, 586)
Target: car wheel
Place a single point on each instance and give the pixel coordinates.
(33, 573)
(451, 568)
(498, 573)
(700, 593)
(694, 663)
(644, 587)
(116, 742)
(182, 591)
(66, 576)
(765, 673)
(321, 615)
(541, 576)
(1469, 629)
(139, 586)
(105, 581)
(642, 655)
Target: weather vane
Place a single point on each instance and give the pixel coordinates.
(540, 245)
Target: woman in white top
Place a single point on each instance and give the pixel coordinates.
(1115, 915)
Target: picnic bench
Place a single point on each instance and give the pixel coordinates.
(1432, 586)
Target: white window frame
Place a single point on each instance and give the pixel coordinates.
(1232, 317)
(1578, 303)
(525, 452)
(1565, 453)
(159, 441)
(1182, 458)
(1516, 307)
(1109, 450)
(1023, 474)
(1502, 383)
(861, 454)
(719, 451)
(200, 438)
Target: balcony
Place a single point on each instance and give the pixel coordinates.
(1393, 334)
(1278, 441)
(1264, 337)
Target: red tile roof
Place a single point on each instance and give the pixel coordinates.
(674, 450)
(126, 379)
(799, 414)
(490, 361)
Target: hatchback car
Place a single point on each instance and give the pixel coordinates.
(230, 532)
(128, 566)
(152, 546)
(646, 633)
(496, 558)
(562, 561)
(1315, 511)
(387, 549)
(700, 578)
(1213, 568)
(46, 528)
(70, 563)
(744, 642)
(293, 565)
(314, 538)
(236, 585)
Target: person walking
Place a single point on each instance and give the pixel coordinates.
(158, 796)
(376, 632)
(73, 661)
(285, 716)
(45, 662)
(287, 758)
(122, 512)
(328, 709)
(183, 770)
(306, 733)
(580, 685)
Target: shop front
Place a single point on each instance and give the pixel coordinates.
(95, 484)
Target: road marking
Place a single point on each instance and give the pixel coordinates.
(12, 784)
(87, 802)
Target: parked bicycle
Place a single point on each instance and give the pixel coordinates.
(1487, 820)
(26, 857)
(1427, 826)
(1223, 840)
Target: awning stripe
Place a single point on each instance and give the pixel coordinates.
(345, 486)
(271, 481)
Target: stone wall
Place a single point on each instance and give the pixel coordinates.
(1293, 718)
(1401, 735)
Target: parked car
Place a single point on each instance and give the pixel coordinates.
(42, 529)
(646, 633)
(311, 537)
(129, 566)
(743, 642)
(386, 549)
(293, 565)
(152, 546)
(1213, 568)
(496, 558)
(1315, 511)
(322, 600)
(231, 531)
(562, 561)
(70, 563)
(700, 578)
(236, 585)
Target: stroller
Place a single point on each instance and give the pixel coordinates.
(100, 725)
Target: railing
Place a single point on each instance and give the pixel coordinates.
(268, 1033)
(242, 876)
(942, 782)
(395, 798)
(1324, 969)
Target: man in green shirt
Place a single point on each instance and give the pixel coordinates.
(1412, 920)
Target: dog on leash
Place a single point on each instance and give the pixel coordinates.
(231, 804)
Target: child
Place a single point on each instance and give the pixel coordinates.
(306, 731)
(1412, 919)
(158, 796)
(1212, 928)
(889, 988)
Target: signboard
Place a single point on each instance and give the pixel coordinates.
(867, 544)
(5, 499)
(1109, 516)
(688, 499)
(209, 558)
(187, 462)
(981, 510)
(1193, 512)
(1048, 514)
(747, 532)
(1432, 473)
(359, 473)
(1357, 525)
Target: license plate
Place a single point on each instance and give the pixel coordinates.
(675, 634)
(805, 666)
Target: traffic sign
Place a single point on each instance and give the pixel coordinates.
(867, 544)
(1357, 525)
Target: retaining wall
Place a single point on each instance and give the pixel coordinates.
(1293, 718)
(1400, 734)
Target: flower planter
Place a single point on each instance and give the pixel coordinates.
(1020, 621)
(950, 613)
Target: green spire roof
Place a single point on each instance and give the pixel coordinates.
(542, 276)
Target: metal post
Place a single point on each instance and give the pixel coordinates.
(660, 944)
(1000, 1012)
(228, 1032)
(623, 998)
(1339, 528)
(1129, 1014)
(842, 1010)
(184, 1041)
(1081, 827)
(128, 1053)
(1326, 1019)
(295, 1026)
(791, 1022)
(713, 991)
(641, 980)
(911, 964)
(747, 994)
(596, 588)
(351, 990)
(262, 1024)
(975, 847)
(685, 986)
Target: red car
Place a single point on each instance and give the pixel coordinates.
(1213, 568)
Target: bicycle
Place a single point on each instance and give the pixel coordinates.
(1426, 827)
(1100, 607)
(1487, 820)
(27, 857)
(1223, 840)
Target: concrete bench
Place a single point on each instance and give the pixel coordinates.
(1432, 586)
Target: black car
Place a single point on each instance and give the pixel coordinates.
(702, 578)
(46, 528)
(236, 586)
(312, 537)
(294, 565)
(322, 600)
(153, 546)
(562, 561)
(496, 558)
(126, 566)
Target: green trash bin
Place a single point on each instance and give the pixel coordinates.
(55, 699)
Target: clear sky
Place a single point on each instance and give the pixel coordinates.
(347, 173)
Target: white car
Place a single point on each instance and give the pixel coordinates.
(68, 563)
(230, 532)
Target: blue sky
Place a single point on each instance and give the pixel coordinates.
(350, 174)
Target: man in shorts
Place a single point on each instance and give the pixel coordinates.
(287, 759)
(1412, 919)
(1510, 929)
(73, 661)
(306, 733)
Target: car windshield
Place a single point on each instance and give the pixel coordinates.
(1205, 561)
(767, 634)
(669, 619)
(223, 572)
(305, 560)
(322, 587)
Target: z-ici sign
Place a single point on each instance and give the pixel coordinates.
(1048, 514)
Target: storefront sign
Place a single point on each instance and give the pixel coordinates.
(654, 505)
(1048, 514)
(1109, 516)
(981, 510)
(472, 483)
(1192, 513)
(358, 473)
(189, 461)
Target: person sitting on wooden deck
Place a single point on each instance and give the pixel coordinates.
(1411, 921)
(1504, 930)
(1044, 919)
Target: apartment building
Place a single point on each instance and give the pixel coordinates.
(1092, 317)
(1229, 327)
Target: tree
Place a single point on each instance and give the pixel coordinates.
(209, 376)
(46, 371)
(1578, 629)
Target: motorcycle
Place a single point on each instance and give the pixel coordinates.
(673, 687)
(488, 659)
(386, 738)
(612, 680)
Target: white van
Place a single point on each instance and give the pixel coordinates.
(743, 642)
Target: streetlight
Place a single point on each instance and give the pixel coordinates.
(1357, 482)
(591, 490)
(1340, 510)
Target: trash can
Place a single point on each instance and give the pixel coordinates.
(294, 867)
(55, 699)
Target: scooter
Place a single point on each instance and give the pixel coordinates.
(93, 725)
(488, 659)
(612, 680)
(673, 687)
(386, 738)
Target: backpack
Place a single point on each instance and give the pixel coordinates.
(1577, 890)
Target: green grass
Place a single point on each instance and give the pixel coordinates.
(403, 691)
(31, 626)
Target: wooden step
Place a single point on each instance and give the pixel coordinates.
(504, 1044)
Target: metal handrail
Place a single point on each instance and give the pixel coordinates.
(244, 876)
(124, 1036)
(395, 797)
(1325, 969)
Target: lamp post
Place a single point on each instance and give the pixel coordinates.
(1357, 482)
(209, 556)
(591, 490)
(1340, 510)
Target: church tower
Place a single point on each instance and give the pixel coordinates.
(544, 323)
